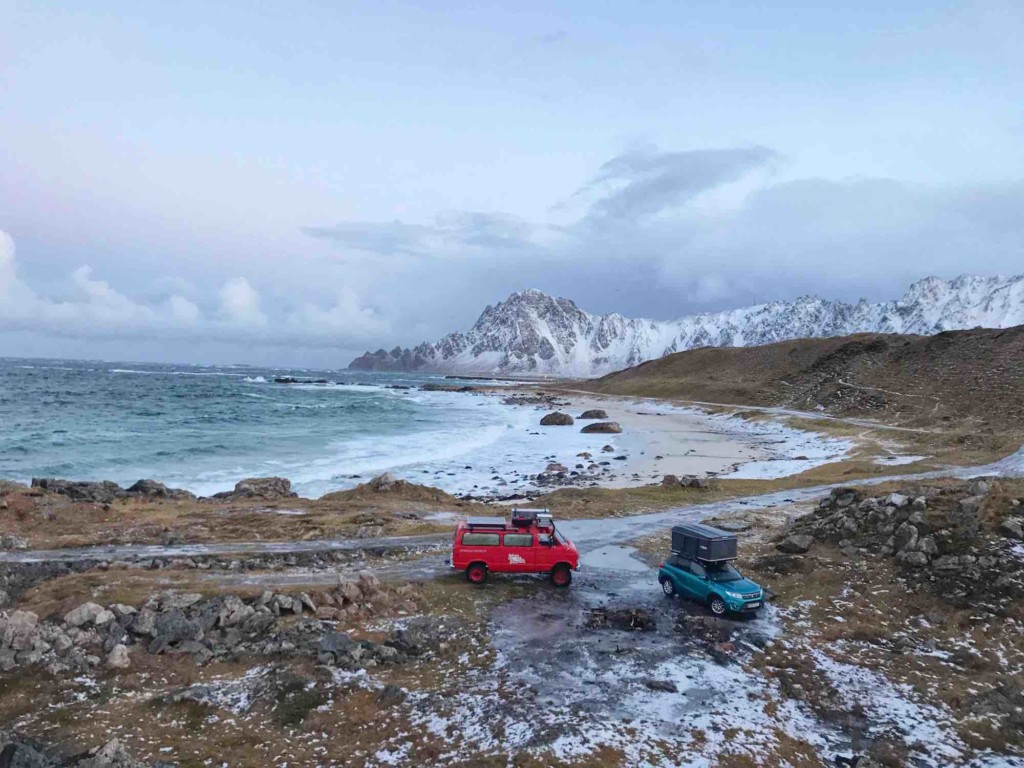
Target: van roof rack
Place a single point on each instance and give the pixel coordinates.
(485, 522)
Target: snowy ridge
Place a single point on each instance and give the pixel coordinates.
(531, 332)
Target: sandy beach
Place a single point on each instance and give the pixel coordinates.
(660, 438)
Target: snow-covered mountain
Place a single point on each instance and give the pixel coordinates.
(531, 332)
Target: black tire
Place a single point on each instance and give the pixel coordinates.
(561, 576)
(668, 587)
(476, 573)
(717, 605)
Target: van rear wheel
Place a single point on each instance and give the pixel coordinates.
(477, 573)
(561, 576)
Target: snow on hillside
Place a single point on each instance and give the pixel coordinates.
(531, 332)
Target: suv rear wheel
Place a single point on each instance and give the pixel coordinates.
(561, 576)
(477, 573)
(668, 588)
(717, 605)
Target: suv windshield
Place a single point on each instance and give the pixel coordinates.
(724, 572)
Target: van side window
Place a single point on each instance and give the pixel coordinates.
(480, 539)
(518, 539)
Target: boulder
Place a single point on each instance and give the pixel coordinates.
(263, 488)
(1012, 528)
(556, 419)
(110, 755)
(151, 489)
(102, 492)
(118, 657)
(670, 481)
(18, 631)
(795, 544)
(84, 614)
(603, 428)
(594, 413)
(10, 541)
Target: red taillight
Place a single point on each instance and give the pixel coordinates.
(661, 565)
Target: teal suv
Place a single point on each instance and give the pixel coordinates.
(718, 585)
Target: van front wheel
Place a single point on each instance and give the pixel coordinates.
(477, 573)
(561, 576)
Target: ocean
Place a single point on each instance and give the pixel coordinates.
(204, 428)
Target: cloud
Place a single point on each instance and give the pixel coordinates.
(648, 182)
(663, 234)
(240, 303)
(95, 309)
(451, 235)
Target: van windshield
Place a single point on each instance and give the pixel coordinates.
(724, 572)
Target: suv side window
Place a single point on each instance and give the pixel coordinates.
(680, 562)
(480, 539)
(518, 539)
(697, 570)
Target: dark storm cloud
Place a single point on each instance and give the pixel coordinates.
(646, 182)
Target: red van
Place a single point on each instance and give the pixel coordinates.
(528, 544)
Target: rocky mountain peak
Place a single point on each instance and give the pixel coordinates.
(535, 333)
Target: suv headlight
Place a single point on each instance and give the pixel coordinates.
(734, 595)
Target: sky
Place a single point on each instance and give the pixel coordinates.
(294, 183)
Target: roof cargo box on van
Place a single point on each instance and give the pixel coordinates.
(702, 542)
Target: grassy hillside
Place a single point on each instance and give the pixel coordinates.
(974, 379)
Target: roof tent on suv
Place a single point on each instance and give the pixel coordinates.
(702, 542)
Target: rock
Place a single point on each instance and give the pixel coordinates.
(102, 493)
(10, 541)
(630, 619)
(666, 686)
(594, 413)
(335, 648)
(151, 489)
(970, 506)
(349, 590)
(84, 614)
(19, 752)
(264, 488)
(144, 623)
(979, 488)
(233, 611)
(325, 613)
(390, 695)
(118, 657)
(913, 559)
(607, 449)
(602, 427)
(905, 537)
(795, 544)
(172, 628)
(368, 583)
(1012, 528)
(556, 419)
(670, 481)
(897, 500)
(103, 617)
(110, 755)
(181, 600)
(18, 631)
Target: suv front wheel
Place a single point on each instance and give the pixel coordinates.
(717, 605)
